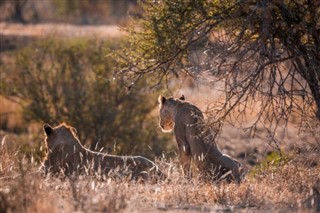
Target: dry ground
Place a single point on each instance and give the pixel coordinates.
(64, 30)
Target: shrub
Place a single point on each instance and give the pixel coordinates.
(68, 80)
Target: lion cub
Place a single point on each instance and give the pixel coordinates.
(66, 154)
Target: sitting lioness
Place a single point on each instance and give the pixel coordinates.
(194, 140)
(66, 154)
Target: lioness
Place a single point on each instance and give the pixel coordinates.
(194, 140)
(66, 154)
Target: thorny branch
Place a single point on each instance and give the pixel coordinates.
(265, 52)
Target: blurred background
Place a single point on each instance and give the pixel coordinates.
(55, 68)
(74, 12)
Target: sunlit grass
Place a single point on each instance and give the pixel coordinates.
(290, 185)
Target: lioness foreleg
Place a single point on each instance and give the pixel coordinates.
(232, 165)
(185, 160)
(185, 157)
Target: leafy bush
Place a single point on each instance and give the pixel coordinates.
(72, 81)
(273, 161)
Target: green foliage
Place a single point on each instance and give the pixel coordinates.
(273, 161)
(72, 81)
(260, 50)
(160, 44)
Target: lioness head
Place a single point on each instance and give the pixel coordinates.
(165, 119)
(59, 136)
(165, 113)
(61, 141)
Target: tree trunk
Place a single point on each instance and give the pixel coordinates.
(315, 90)
(310, 75)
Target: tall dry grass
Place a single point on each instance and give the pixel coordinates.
(291, 183)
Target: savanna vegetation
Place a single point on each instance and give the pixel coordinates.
(265, 53)
(71, 80)
(259, 59)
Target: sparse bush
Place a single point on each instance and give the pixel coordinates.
(72, 80)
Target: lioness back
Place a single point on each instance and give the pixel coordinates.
(65, 154)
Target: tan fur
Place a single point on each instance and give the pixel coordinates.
(66, 154)
(195, 141)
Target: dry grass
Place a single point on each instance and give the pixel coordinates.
(10, 118)
(289, 184)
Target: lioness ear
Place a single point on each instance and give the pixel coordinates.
(182, 98)
(161, 99)
(47, 129)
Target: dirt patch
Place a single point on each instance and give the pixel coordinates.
(31, 30)
(14, 36)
